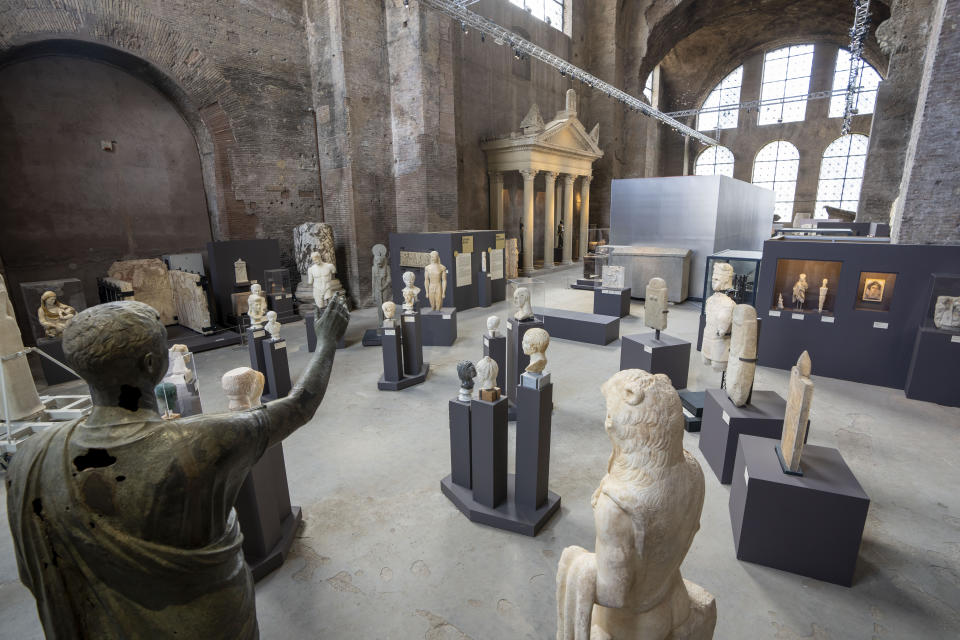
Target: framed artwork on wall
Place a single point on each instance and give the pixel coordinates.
(875, 291)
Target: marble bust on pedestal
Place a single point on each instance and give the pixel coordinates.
(388, 310)
(487, 371)
(535, 343)
(256, 307)
(521, 302)
(435, 281)
(493, 326)
(409, 291)
(272, 326)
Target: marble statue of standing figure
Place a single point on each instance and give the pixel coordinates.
(719, 311)
(435, 281)
(800, 291)
(320, 275)
(409, 291)
(381, 281)
(646, 512)
(256, 307)
(823, 295)
(54, 315)
(160, 553)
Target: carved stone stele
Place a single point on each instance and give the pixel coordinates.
(535, 343)
(719, 312)
(799, 397)
(381, 279)
(946, 313)
(743, 354)
(646, 512)
(655, 304)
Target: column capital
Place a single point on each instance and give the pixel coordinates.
(587, 179)
(495, 175)
(568, 179)
(551, 175)
(529, 174)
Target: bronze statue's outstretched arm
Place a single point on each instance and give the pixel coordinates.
(286, 415)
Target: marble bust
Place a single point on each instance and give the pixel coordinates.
(243, 387)
(320, 275)
(535, 343)
(272, 326)
(466, 372)
(719, 312)
(487, 371)
(493, 326)
(800, 291)
(646, 513)
(946, 313)
(388, 310)
(655, 305)
(521, 302)
(54, 315)
(435, 281)
(410, 291)
(256, 307)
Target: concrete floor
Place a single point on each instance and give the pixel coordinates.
(383, 554)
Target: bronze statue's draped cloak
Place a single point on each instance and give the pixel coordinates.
(92, 580)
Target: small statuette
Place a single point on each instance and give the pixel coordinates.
(435, 280)
(54, 316)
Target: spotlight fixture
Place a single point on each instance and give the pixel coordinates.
(463, 27)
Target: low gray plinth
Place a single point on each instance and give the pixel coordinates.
(581, 327)
(439, 327)
(611, 302)
(405, 381)
(496, 349)
(935, 367)
(692, 403)
(666, 354)
(810, 525)
(53, 373)
(723, 423)
(276, 368)
(508, 515)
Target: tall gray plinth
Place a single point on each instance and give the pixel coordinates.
(534, 406)
(266, 518)
(517, 361)
(394, 347)
(488, 451)
(484, 290)
(277, 368)
(392, 354)
(310, 317)
(412, 341)
(255, 338)
(496, 349)
(460, 447)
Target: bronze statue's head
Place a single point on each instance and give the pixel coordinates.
(120, 350)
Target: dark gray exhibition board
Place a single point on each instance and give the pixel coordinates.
(810, 525)
(667, 355)
(723, 423)
(611, 302)
(872, 347)
(581, 327)
(934, 374)
(446, 243)
(259, 255)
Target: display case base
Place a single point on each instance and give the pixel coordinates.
(810, 525)
(724, 422)
(261, 567)
(585, 284)
(611, 302)
(406, 381)
(692, 403)
(935, 367)
(439, 327)
(53, 373)
(666, 354)
(507, 515)
(581, 327)
(198, 342)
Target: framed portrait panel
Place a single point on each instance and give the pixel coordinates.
(875, 291)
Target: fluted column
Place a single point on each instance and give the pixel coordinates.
(496, 200)
(568, 218)
(549, 228)
(528, 176)
(584, 213)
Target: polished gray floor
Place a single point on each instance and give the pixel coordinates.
(383, 554)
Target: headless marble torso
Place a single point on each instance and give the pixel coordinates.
(321, 277)
(716, 333)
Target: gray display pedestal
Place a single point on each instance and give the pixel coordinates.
(666, 354)
(810, 525)
(935, 367)
(496, 349)
(309, 319)
(581, 327)
(277, 369)
(394, 377)
(255, 338)
(484, 290)
(724, 422)
(439, 327)
(371, 338)
(267, 520)
(611, 302)
(692, 402)
(461, 468)
(53, 373)
(517, 360)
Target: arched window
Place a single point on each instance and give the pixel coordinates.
(725, 94)
(550, 11)
(786, 82)
(775, 168)
(841, 174)
(867, 79)
(714, 161)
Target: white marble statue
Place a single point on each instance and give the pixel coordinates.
(719, 312)
(535, 343)
(797, 414)
(521, 302)
(320, 276)
(435, 281)
(272, 326)
(240, 271)
(54, 316)
(493, 326)
(823, 295)
(243, 387)
(410, 291)
(256, 307)
(180, 358)
(646, 512)
(946, 313)
(389, 309)
(743, 354)
(800, 291)
(19, 398)
(487, 372)
(655, 305)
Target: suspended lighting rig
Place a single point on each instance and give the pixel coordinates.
(858, 36)
(523, 48)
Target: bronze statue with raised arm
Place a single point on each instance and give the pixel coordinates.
(123, 523)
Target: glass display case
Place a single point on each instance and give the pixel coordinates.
(943, 310)
(746, 275)
(806, 286)
(595, 261)
(536, 291)
(875, 291)
(613, 277)
(179, 391)
(276, 281)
